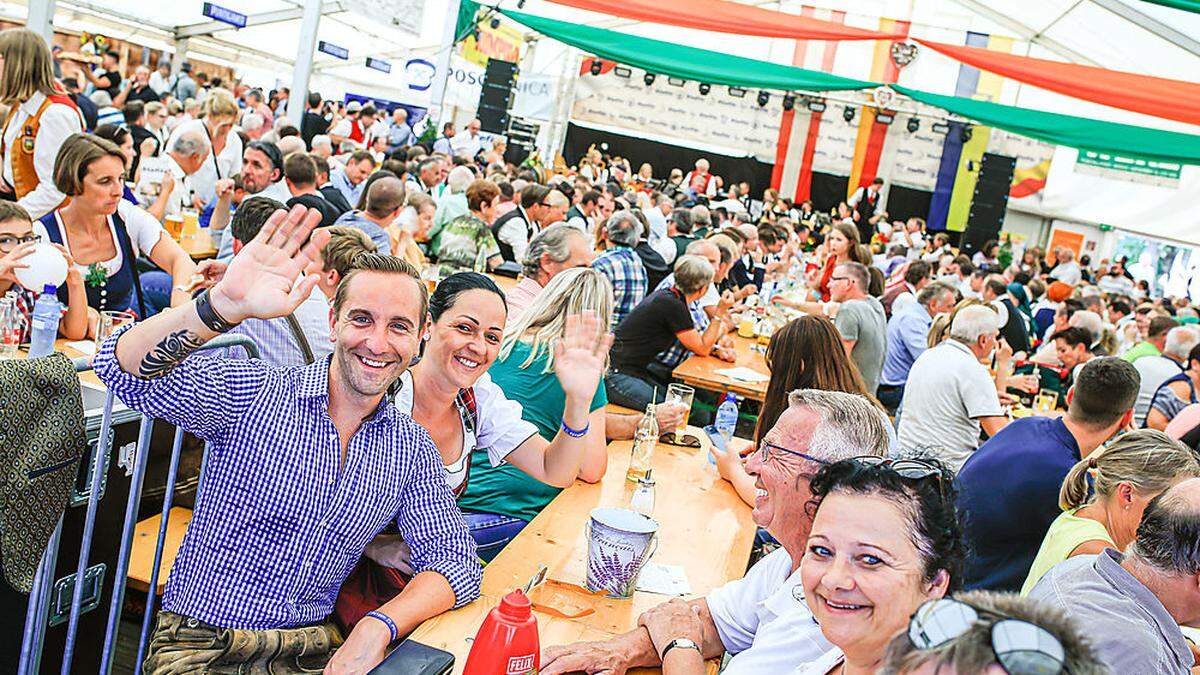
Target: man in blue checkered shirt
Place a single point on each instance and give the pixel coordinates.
(307, 464)
(622, 265)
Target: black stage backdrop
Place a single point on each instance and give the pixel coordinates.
(827, 189)
(664, 157)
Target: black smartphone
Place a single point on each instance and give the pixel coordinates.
(414, 658)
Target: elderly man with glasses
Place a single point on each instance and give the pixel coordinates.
(761, 619)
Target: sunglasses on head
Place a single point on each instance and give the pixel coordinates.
(1021, 648)
(914, 469)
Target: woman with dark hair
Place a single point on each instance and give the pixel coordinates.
(106, 234)
(988, 255)
(806, 353)
(885, 540)
(450, 393)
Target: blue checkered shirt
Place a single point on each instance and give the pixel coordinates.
(624, 269)
(676, 354)
(279, 524)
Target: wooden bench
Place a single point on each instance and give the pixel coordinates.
(145, 538)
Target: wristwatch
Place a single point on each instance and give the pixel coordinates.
(681, 643)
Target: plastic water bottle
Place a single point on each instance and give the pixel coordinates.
(47, 312)
(507, 642)
(727, 417)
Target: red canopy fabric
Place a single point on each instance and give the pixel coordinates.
(1157, 96)
(722, 16)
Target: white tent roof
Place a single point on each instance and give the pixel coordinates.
(1127, 35)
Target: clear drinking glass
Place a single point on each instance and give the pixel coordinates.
(681, 394)
(109, 323)
(11, 322)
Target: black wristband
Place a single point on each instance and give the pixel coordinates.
(209, 316)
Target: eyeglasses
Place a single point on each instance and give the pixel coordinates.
(1021, 648)
(8, 242)
(913, 469)
(766, 448)
(833, 279)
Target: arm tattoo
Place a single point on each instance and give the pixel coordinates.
(169, 351)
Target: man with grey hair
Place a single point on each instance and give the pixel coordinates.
(860, 320)
(621, 264)
(702, 310)
(184, 157)
(908, 338)
(322, 146)
(1156, 370)
(555, 249)
(950, 395)
(1094, 325)
(701, 220)
(453, 203)
(1138, 601)
(761, 619)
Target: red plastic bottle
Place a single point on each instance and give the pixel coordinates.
(507, 642)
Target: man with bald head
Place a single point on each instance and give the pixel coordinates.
(469, 143)
(385, 199)
(1137, 601)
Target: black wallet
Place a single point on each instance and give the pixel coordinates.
(414, 658)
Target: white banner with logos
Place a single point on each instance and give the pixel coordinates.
(738, 126)
(533, 97)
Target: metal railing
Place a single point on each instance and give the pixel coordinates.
(37, 615)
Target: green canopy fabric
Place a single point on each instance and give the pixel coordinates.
(465, 25)
(689, 63)
(1185, 5)
(1077, 132)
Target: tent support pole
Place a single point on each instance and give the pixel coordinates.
(298, 96)
(41, 18)
(441, 74)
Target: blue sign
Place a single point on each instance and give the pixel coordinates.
(379, 64)
(224, 15)
(333, 50)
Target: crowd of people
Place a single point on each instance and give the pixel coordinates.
(921, 511)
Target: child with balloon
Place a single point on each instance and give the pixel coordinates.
(28, 266)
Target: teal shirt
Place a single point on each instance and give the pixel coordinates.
(505, 489)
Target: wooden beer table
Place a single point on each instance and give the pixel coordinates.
(700, 371)
(703, 527)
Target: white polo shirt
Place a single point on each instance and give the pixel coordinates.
(763, 620)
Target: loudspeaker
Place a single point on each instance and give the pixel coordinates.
(989, 203)
(495, 95)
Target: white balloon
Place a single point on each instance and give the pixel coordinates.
(46, 266)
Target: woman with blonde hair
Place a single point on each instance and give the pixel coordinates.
(218, 115)
(43, 116)
(501, 499)
(1125, 475)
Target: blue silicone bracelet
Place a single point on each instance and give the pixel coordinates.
(387, 620)
(573, 433)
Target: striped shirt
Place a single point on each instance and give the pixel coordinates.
(279, 524)
(624, 269)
